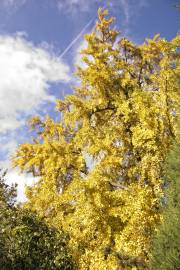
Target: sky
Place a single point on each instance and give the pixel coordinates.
(40, 41)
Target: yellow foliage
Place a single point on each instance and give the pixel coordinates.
(120, 123)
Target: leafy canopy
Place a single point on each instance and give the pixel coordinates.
(26, 242)
(100, 167)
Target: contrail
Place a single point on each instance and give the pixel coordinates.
(76, 38)
(79, 35)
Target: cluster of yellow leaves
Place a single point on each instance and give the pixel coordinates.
(100, 167)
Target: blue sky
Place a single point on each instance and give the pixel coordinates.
(33, 36)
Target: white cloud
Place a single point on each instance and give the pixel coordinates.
(128, 7)
(76, 5)
(11, 6)
(9, 147)
(12, 3)
(23, 180)
(14, 175)
(25, 72)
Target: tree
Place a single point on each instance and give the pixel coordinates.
(166, 243)
(33, 245)
(121, 120)
(166, 246)
(7, 200)
(26, 242)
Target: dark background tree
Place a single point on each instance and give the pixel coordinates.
(26, 241)
(7, 210)
(166, 246)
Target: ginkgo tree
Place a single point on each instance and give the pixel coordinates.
(100, 167)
